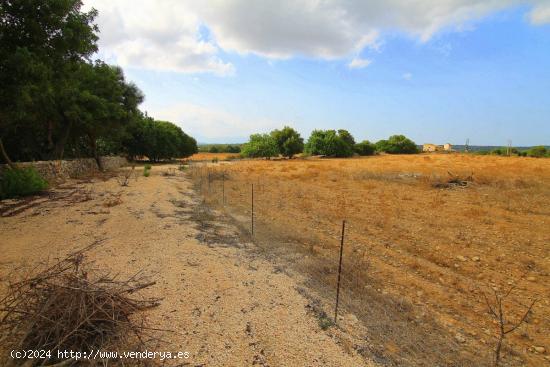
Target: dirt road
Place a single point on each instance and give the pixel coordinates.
(228, 305)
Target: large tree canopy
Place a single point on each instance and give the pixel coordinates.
(260, 146)
(40, 43)
(397, 144)
(158, 140)
(289, 141)
(55, 102)
(330, 143)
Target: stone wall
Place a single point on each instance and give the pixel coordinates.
(56, 170)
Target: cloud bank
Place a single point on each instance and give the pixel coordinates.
(169, 35)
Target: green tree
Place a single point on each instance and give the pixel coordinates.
(347, 137)
(365, 148)
(102, 104)
(158, 140)
(233, 149)
(397, 144)
(39, 43)
(289, 141)
(260, 145)
(328, 143)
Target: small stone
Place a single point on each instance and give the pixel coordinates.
(539, 350)
(353, 319)
(419, 293)
(460, 338)
(462, 258)
(531, 279)
(476, 258)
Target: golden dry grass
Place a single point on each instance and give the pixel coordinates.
(433, 248)
(209, 156)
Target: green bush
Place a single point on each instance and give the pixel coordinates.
(21, 182)
(397, 144)
(147, 167)
(364, 148)
(146, 172)
(538, 152)
(328, 143)
(260, 145)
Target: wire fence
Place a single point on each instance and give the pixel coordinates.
(334, 257)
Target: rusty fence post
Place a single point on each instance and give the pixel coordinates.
(252, 212)
(339, 272)
(223, 188)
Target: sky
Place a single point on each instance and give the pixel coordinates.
(436, 71)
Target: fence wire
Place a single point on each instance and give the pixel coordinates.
(400, 332)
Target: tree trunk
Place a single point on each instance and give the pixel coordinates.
(5, 155)
(93, 145)
(60, 146)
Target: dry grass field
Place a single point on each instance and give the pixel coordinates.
(209, 156)
(427, 236)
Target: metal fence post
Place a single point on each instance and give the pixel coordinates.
(339, 272)
(252, 213)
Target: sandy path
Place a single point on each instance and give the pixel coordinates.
(229, 306)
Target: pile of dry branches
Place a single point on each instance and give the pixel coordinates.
(453, 181)
(65, 307)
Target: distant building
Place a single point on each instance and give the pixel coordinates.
(437, 148)
(429, 148)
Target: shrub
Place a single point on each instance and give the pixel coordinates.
(289, 141)
(21, 182)
(233, 149)
(147, 167)
(260, 145)
(364, 148)
(538, 152)
(397, 144)
(328, 143)
(146, 172)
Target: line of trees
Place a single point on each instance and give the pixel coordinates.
(55, 102)
(288, 142)
(220, 148)
(534, 152)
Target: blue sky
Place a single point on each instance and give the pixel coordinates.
(481, 73)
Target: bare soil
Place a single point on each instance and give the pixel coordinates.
(226, 303)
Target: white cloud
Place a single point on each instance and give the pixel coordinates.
(206, 121)
(161, 35)
(359, 63)
(166, 34)
(407, 76)
(540, 14)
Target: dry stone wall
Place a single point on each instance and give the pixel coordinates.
(57, 170)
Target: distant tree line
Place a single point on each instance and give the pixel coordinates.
(55, 102)
(535, 152)
(331, 143)
(220, 148)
